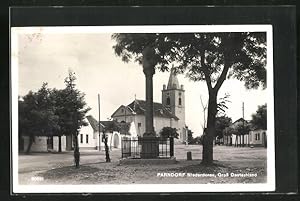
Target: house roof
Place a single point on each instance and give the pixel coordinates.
(123, 128)
(138, 106)
(240, 120)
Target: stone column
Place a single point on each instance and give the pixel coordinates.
(150, 148)
(148, 69)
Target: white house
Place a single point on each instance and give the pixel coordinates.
(258, 137)
(89, 138)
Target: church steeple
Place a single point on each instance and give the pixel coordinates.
(173, 81)
(173, 98)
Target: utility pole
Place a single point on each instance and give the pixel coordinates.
(243, 108)
(125, 112)
(99, 122)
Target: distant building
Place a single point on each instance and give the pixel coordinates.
(169, 113)
(258, 137)
(255, 137)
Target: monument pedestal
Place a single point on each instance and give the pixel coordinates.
(150, 146)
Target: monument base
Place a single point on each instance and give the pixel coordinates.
(150, 146)
(152, 161)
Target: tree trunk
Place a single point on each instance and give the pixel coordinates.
(59, 143)
(243, 140)
(106, 149)
(207, 154)
(76, 151)
(31, 140)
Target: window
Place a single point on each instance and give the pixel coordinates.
(179, 100)
(81, 138)
(257, 136)
(122, 110)
(139, 124)
(87, 139)
(168, 101)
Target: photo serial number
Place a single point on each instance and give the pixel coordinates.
(37, 178)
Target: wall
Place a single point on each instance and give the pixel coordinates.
(56, 143)
(160, 122)
(257, 142)
(40, 144)
(238, 140)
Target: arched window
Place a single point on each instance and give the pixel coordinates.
(179, 101)
(168, 101)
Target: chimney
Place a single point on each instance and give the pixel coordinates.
(164, 87)
(181, 86)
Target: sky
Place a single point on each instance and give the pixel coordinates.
(47, 57)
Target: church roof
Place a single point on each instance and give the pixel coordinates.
(173, 81)
(138, 106)
(123, 128)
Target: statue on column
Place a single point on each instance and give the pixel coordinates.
(148, 69)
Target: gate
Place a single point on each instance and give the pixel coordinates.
(132, 148)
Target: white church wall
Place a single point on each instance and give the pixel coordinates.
(160, 122)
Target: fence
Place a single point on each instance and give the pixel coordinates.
(147, 147)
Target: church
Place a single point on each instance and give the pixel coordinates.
(169, 113)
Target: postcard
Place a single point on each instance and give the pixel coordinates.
(124, 109)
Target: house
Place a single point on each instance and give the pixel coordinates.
(255, 137)
(88, 137)
(235, 137)
(169, 113)
(258, 137)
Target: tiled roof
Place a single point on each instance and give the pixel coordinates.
(138, 106)
(123, 128)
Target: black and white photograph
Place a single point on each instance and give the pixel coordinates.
(177, 108)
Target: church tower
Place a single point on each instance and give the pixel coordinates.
(174, 99)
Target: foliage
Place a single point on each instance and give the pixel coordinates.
(201, 55)
(37, 116)
(49, 112)
(222, 105)
(222, 122)
(196, 140)
(240, 127)
(70, 106)
(167, 132)
(190, 136)
(209, 57)
(259, 119)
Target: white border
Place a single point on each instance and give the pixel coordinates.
(269, 186)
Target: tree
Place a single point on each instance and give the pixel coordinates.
(71, 109)
(209, 57)
(190, 136)
(36, 115)
(222, 122)
(259, 119)
(167, 132)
